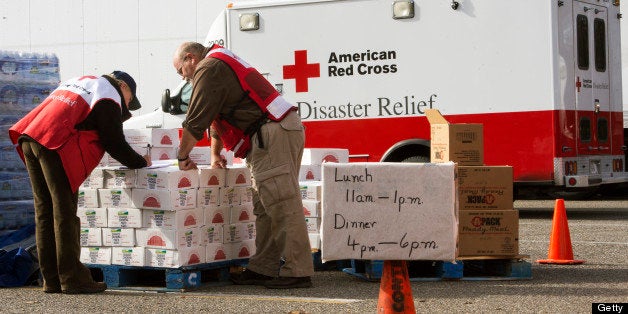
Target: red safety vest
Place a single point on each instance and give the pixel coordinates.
(52, 124)
(273, 105)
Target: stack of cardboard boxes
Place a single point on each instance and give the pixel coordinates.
(311, 186)
(166, 217)
(488, 222)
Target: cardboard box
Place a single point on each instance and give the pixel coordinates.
(173, 220)
(91, 237)
(313, 224)
(96, 255)
(168, 239)
(175, 258)
(208, 197)
(244, 249)
(108, 161)
(164, 199)
(241, 213)
(488, 233)
(153, 137)
(216, 252)
(126, 217)
(95, 180)
(92, 217)
(318, 156)
(230, 196)
(118, 178)
(167, 178)
(312, 208)
(115, 197)
(209, 177)
(212, 233)
(88, 198)
(310, 173)
(163, 153)
(217, 215)
(128, 256)
(485, 187)
(118, 236)
(201, 155)
(311, 190)
(315, 241)
(462, 143)
(238, 177)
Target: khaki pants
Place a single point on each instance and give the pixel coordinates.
(280, 225)
(57, 228)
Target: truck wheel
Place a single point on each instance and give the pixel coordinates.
(416, 159)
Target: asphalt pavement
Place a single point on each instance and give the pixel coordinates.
(599, 235)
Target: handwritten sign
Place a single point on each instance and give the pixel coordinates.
(389, 211)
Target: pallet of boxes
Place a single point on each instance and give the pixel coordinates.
(310, 183)
(26, 79)
(488, 224)
(181, 227)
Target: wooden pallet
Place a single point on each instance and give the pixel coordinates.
(476, 268)
(164, 279)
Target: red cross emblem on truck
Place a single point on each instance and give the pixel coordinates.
(301, 71)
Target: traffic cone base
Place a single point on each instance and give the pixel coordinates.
(395, 293)
(560, 251)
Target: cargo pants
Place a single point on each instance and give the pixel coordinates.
(282, 243)
(57, 227)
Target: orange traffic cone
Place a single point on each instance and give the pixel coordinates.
(395, 293)
(560, 251)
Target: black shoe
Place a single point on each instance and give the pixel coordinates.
(93, 287)
(249, 277)
(289, 283)
(52, 289)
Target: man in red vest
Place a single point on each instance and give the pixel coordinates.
(249, 117)
(61, 141)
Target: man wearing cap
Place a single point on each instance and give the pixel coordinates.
(61, 141)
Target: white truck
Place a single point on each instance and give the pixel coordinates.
(543, 77)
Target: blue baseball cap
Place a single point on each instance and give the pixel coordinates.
(120, 75)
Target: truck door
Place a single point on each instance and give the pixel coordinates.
(592, 80)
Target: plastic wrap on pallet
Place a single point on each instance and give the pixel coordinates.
(16, 214)
(15, 185)
(10, 160)
(25, 67)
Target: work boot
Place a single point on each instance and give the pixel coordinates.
(249, 277)
(87, 288)
(289, 283)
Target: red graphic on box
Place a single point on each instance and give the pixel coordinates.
(189, 221)
(156, 241)
(165, 140)
(164, 156)
(240, 179)
(330, 158)
(194, 259)
(220, 255)
(309, 175)
(184, 183)
(152, 202)
(306, 212)
(244, 252)
(244, 216)
(218, 219)
(213, 180)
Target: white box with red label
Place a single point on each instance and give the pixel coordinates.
(310, 173)
(217, 215)
(167, 219)
(92, 217)
(240, 176)
(318, 156)
(241, 213)
(128, 256)
(208, 197)
(312, 208)
(175, 258)
(212, 233)
(209, 177)
(88, 198)
(96, 255)
(164, 199)
(124, 217)
(91, 237)
(217, 252)
(243, 249)
(167, 178)
(114, 178)
(115, 197)
(168, 239)
(153, 137)
(118, 236)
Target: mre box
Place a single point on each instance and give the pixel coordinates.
(462, 143)
(485, 187)
(488, 233)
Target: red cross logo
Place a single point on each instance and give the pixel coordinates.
(578, 83)
(301, 71)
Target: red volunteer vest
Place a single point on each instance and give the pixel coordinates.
(259, 90)
(52, 124)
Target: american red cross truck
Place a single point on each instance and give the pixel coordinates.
(542, 76)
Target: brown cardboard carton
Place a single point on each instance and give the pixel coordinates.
(488, 233)
(485, 187)
(462, 143)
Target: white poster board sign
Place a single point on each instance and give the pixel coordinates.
(389, 211)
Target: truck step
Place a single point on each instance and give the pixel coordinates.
(485, 268)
